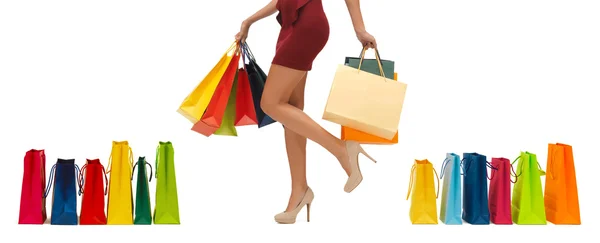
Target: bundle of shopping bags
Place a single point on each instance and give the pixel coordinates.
(365, 98)
(105, 200)
(228, 96)
(477, 202)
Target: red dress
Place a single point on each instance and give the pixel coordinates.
(304, 33)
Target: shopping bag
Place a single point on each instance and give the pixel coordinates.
(499, 193)
(33, 203)
(350, 134)
(195, 104)
(450, 206)
(212, 118)
(166, 209)
(143, 211)
(227, 127)
(94, 184)
(244, 105)
(120, 197)
(257, 78)
(372, 65)
(423, 205)
(64, 177)
(364, 101)
(560, 196)
(475, 186)
(528, 199)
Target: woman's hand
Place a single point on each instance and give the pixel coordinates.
(366, 39)
(243, 34)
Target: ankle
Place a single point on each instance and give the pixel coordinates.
(300, 188)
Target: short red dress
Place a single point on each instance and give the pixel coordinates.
(304, 33)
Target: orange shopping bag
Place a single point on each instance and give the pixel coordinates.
(365, 138)
(561, 199)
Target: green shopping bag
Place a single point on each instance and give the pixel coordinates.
(528, 198)
(371, 65)
(227, 127)
(143, 211)
(166, 210)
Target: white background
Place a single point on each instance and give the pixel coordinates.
(494, 77)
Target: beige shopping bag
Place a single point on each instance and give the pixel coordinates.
(365, 101)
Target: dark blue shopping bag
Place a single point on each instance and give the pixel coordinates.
(64, 175)
(475, 187)
(257, 78)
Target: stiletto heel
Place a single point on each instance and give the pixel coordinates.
(308, 212)
(354, 149)
(290, 217)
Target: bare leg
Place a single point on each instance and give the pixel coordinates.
(296, 151)
(279, 87)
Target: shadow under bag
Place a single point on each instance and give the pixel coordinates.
(94, 184)
(33, 202)
(166, 210)
(475, 186)
(450, 208)
(64, 176)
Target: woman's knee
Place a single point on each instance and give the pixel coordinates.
(268, 104)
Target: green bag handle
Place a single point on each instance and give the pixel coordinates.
(542, 172)
(156, 162)
(146, 163)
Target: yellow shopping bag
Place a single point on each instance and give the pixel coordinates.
(423, 204)
(364, 101)
(195, 103)
(120, 198)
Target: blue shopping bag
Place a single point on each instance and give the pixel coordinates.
(475, 186)
(450, 210)
(64, 175)
(257, 78)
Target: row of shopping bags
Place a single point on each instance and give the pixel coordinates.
(68, 181)
(229, 95)
(473, 203)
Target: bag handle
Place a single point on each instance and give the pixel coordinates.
(463, 170)
(81, 177)
(443, 169)
(489, 165)
(412, 180)
(79, 180)
(146, 163)
(362, 57)
(50, 180)
(513, 173)
(156, 161)
(542, 172)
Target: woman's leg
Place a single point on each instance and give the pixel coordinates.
(279, 87)
(295, 145)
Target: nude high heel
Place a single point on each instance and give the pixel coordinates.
(290, 216)
(354, 149)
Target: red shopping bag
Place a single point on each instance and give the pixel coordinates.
(212, 118)
(244, 105)
(33, 202)
(94, 186)
(499, 192)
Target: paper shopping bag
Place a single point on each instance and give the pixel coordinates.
(475, 186)
(94, 184)
(499, 193)
(244, 105)
(166, 210)
(528, 198)
(450, 206)
(560, 196)
(423, 205)
(366, 102)
(372, 65)
(227, 127)
(64, 177)
(257, 78)
(350, 134)
(195, 104)
(120, 197)
(33, 203)
(143, 211)
(212, 118)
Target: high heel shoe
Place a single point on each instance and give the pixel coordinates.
(354, 149)
(290, 216)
